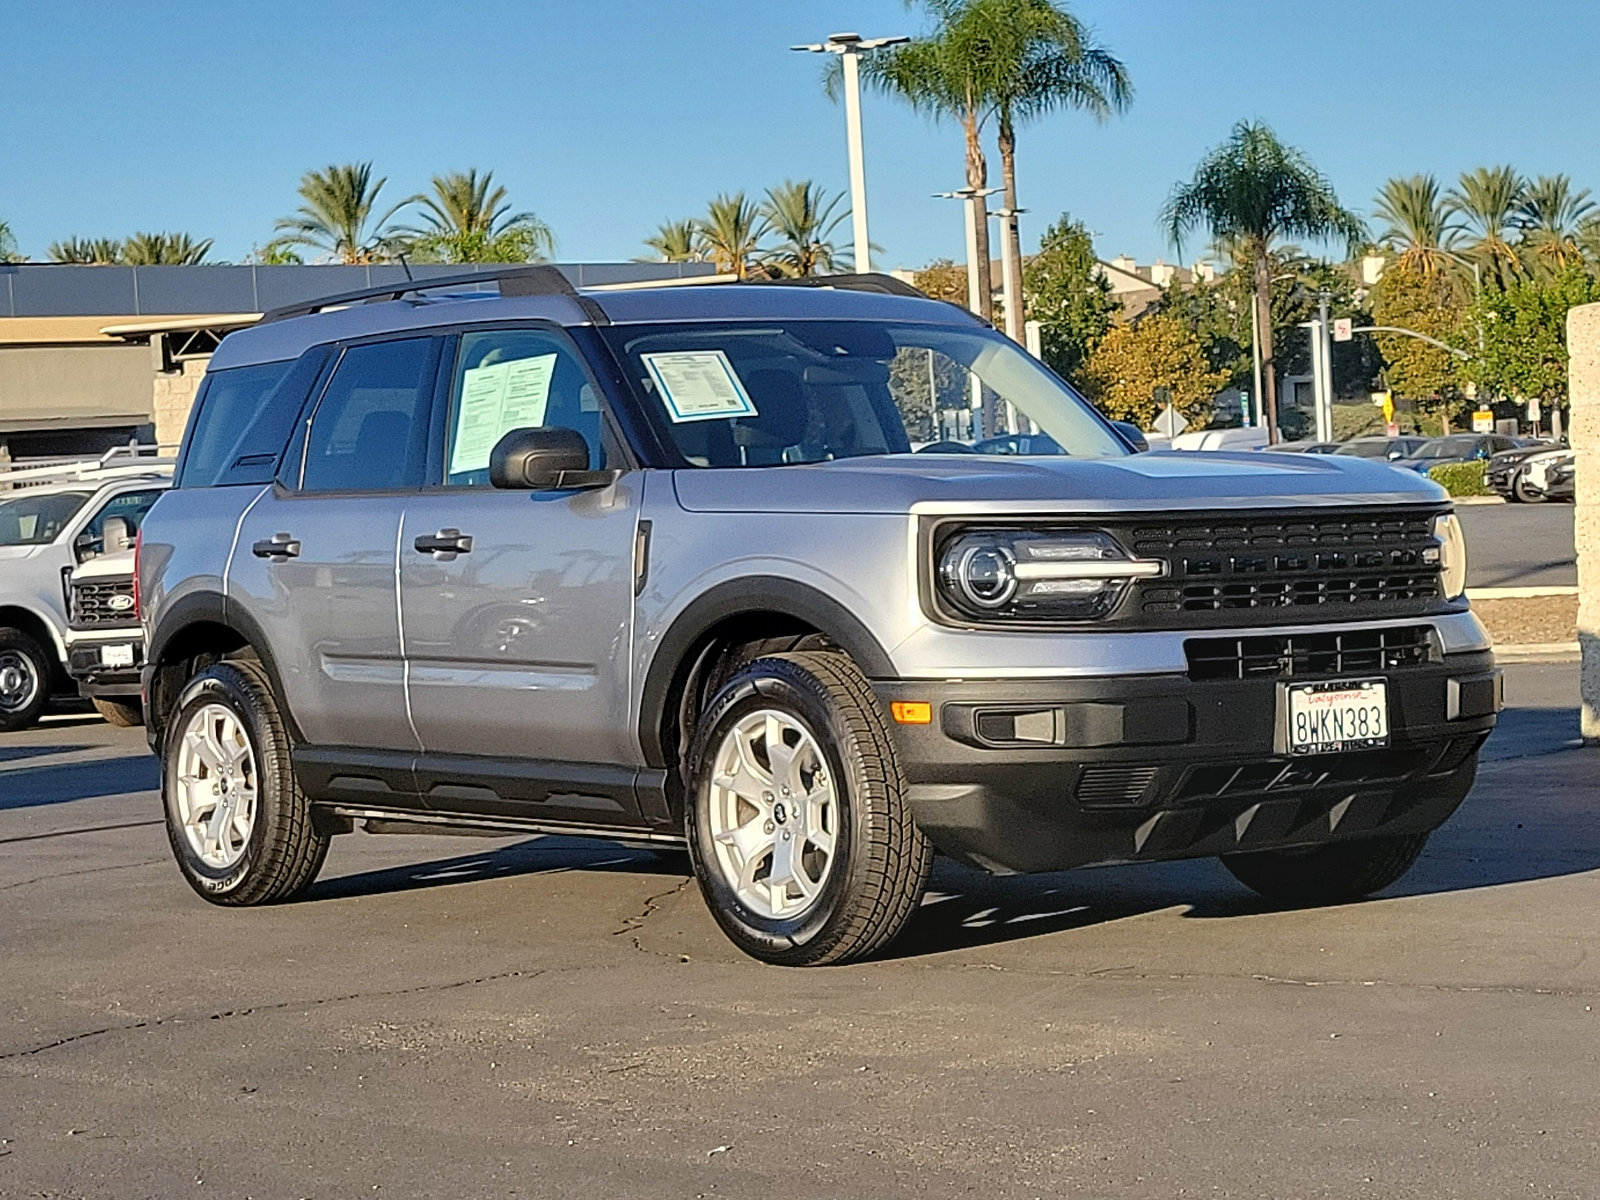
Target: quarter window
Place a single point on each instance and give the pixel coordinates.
(370, 430)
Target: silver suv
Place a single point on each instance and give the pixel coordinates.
(661, 565)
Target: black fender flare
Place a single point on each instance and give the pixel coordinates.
(754, 595)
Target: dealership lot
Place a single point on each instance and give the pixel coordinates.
(450, 1017)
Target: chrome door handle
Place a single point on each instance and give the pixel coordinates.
(445, 544)
(280, 547)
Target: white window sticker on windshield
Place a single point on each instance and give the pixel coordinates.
(698, 385)
(495, 400)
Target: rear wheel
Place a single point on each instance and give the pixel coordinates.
(797, 818)
(122, 713)
(1331, 874)
(25, 672)
(239, 825)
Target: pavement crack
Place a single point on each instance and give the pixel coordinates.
(229, 1014)
(59, 833)
(149, 862)
(632, 925)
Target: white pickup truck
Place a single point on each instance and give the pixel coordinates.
(54, 519)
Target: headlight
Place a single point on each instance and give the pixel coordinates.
(1452, 555)
(1023, 575)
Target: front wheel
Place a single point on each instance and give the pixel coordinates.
(1519, 491)
(1333, 874)
(797, 818)
(239, 825)
(25, 673)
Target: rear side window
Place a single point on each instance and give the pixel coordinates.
(242, 419)
(370, 429)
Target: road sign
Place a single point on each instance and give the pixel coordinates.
(1379, 399)
(1483, 422)
(1341, 329)
(1392, 429)
(1169, 424)
(1533, 409)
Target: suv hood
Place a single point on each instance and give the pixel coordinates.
(1159, 481)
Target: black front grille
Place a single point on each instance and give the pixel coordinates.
(1311, 655)
(1337, 565)
(97, 604)
(1113, 786)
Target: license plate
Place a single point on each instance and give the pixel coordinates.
(116, 656)
(1330, 718)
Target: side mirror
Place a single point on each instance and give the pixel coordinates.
(550, 458)
(1395, 454)
(1133, 435)
(84, 545)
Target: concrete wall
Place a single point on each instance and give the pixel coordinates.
(1583, 345)
(174, 397)
(104, 380)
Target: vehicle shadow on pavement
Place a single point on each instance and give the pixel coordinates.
(10, 754)
(536, 856)
(31, 787)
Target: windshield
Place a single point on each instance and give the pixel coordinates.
(27, 520)
(749, 394)
(1450, 447)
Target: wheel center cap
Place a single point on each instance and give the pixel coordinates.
(779, 813)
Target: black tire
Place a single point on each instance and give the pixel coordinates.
(26, 673)
(124, 714)
(881, 859)
(284, 851)
(1333, 874)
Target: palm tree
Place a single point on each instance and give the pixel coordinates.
(731, 233)
(100, 252)
(1552, 214)
(676, 241)
(336, 217)
(466, 220)
(1419, 223)
(1489, 199)
(1250, 190)
(164, 250)
(8, 244)
(802, 217)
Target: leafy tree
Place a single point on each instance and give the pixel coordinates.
(1251, 190)
(1525, 335)
(99, 252)
(337, 216)
(466, 219)
(8, 244)
(1489, 200)
(1430, 377)
(164, 250)
(676, 241)
(943, 280)
(1552, 217)
(802, 217)
(1068, 296)
(1419, 224)
(1157, 351)
(731, 233)
(275, 254)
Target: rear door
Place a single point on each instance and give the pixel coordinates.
(314, 562)
(518, 606)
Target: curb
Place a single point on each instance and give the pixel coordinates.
(1460, 500)
(1539, 652)
(1520, 593)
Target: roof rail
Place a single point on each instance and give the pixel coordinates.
(873, 281)
(526, 279)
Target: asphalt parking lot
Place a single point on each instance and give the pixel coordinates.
(476, 1018)
(1519, 545)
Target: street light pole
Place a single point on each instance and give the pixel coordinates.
(849, 47)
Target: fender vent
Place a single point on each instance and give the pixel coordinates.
(1114, 787)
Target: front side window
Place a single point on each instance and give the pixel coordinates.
(758, 393)
(370, 429)
(508, 379)
(36, 520)
(124, 514)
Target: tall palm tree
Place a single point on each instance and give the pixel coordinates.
(1250, 190)
(465, 219)
(803, 218)
(337, 216)
(1489, 200)
(1552, 214)
(1419, 223)
(676, 241)
(8, 244)
(100, 252)
(1046, 61)
(731, 232)
(164, 250)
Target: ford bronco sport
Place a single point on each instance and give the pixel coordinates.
(659, 564)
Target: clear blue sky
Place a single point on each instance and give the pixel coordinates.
(609, 116)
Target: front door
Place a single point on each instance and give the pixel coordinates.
(517, 607)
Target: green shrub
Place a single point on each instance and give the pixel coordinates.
(1461, 479)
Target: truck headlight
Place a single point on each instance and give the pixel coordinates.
(1452, 555)
(1022, 574)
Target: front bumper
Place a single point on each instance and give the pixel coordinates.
(1041, 775)
(86, 662)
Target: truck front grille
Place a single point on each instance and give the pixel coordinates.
(103, 604)
(1310, 655)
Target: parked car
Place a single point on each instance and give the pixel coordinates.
(1551, 476)
(658, 565)
(105, 645)
(1248, 437)
(51, 520)
(1388, 448)
(1457, 448)
(1506, 470)
(1304, 447)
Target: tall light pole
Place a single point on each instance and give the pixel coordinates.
(975, 284)
(849, 47)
